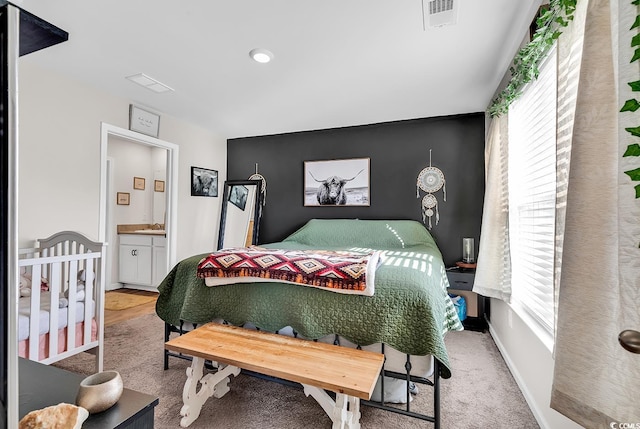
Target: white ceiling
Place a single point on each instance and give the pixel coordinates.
(337, 62)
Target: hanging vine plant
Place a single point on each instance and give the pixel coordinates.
(525, 67)
(633, 104)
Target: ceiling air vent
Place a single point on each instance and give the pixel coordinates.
(441, 12)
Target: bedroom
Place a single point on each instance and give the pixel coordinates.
(72, 195)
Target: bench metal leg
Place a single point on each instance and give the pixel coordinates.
(215, 384)
(344, 412)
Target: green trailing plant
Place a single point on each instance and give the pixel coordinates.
(633, 104)
(525, 67)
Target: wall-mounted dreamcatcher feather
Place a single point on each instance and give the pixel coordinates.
(430, 180)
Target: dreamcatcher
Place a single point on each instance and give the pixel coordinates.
(263, 189)
(430, 180)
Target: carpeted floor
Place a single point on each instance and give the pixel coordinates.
(481, 393)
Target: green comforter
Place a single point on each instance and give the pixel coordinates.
(409, 311)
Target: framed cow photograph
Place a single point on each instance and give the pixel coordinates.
(337, 182)
(204, 182)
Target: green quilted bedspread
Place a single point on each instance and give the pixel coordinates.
(409, 311)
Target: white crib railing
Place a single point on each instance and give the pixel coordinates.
(59, 259)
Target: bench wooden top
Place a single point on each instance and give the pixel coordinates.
(339, 369)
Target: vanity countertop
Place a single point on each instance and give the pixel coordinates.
(161, 232)
(142, 229)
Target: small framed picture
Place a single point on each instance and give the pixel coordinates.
(158, 185)
(123, 199)
(204, 182)
(143, 121)
(138, 183)
(238, 196)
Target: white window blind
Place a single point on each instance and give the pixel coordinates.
(532, 191)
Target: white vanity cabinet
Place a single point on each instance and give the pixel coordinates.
(142, 261)
(159, 264)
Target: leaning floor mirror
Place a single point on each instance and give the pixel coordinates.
(240, 216)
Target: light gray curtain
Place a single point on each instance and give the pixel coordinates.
(595, 380)
(493, 272)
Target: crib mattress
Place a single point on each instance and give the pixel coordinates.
(24, 318)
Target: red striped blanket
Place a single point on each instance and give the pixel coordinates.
(338, 271)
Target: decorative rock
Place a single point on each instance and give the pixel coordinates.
(61, 416)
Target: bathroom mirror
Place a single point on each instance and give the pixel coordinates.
(240, 217)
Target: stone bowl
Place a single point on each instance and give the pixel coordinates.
(100, 391)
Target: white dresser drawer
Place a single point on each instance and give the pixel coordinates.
(136, 240)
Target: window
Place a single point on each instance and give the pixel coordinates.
(532, 193)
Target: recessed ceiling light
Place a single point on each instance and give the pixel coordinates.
(261, 55)
(149, 83)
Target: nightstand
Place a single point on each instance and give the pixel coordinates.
(461, 279)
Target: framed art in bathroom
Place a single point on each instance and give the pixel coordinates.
(123, 199)
(158, 185)
(138, 183)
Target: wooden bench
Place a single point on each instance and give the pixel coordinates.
(350, 373)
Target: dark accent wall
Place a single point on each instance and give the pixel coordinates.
(398, 151)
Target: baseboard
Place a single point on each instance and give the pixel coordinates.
(539, 416)
(114, 286)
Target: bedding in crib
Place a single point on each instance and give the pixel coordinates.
(60, 314)
(43, 340)
(24, 316)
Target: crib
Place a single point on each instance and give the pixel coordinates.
(62, 312)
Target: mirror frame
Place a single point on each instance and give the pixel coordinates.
(256, 209)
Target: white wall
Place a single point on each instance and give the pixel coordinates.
(59, 161)
(131, 160)
(530, 362)
(198, 217)
(159, 166)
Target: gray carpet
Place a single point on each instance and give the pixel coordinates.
(481, 393)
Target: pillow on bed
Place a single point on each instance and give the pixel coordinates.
(376, 234)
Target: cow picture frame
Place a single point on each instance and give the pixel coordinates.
(238, 196)
(204, 182)
(337, 182)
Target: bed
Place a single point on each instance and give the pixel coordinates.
(406, 318)
(61, 308)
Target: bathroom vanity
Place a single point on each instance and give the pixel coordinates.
(142, 258)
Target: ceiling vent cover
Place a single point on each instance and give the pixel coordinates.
(441, 12)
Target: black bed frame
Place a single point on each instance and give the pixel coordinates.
(435, 382)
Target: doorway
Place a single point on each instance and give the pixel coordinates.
(108, 194)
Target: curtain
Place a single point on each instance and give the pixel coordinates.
(570, 46)
(595, 380)
(494, 242)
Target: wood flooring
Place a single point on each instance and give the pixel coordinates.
(115, 316)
